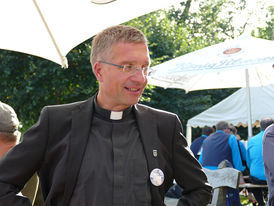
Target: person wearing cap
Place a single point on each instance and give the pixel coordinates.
(9, 125)
(9, 137)
(108, 150)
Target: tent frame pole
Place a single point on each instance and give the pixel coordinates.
(188, 134)
(249, 123)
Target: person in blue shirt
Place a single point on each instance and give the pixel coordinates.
(222, 145)
(198, 142)
(242, 148)
(254, 160)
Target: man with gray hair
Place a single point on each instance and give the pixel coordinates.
(220, 146)
(108, 150)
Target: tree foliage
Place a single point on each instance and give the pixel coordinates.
(268, 31)
(28, 83)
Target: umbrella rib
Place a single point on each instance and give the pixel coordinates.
(63, 58)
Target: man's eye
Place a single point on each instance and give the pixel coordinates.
(129, 67)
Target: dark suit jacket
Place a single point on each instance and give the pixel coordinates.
(55, 145)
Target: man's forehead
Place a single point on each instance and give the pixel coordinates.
(131, 50)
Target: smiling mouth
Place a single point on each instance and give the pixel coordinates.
(133, 89)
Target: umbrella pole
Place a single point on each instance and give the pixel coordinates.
(63, 58)
(249, 123)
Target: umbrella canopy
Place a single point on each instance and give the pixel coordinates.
(242, 62)
(219, 66)
(51, 28)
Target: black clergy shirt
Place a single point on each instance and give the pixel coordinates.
(114, 169)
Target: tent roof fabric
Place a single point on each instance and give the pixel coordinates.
(234, 109)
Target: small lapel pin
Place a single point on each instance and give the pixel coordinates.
(155, 154)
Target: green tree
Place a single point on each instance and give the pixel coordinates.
(29, 83)
(268, 31)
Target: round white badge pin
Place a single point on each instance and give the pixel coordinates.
(157, 177)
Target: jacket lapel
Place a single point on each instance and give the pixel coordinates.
(148, 129)
(81, 121)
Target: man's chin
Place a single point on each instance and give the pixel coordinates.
(132, 101)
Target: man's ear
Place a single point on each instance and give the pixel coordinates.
(98, 71)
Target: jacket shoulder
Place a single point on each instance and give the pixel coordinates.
(68, 107)
(154, 111)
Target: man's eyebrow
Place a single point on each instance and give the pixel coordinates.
(134, 62)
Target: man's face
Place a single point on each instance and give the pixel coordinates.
(118, 89)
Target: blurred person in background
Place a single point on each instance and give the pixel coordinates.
(254, 160)
(9, 137)
(242, 148)
(268, 159)
(220, 146)
(196, 145)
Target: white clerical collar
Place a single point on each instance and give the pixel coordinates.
(111, 115)
(116, 115)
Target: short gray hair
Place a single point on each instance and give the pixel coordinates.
(222, 125)
(103, 41)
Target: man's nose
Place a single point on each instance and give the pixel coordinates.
(139, 75)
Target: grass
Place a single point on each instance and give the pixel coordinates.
(245, 201)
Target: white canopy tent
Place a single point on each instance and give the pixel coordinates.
(241, 62)
(233, 109)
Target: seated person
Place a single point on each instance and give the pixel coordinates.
(198, 142)
(242, 148)
(254, 157)
(221, 146)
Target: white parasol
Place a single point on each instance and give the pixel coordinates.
(243, 62)
(51, 28)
